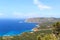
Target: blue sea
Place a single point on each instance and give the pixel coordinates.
(14, 26)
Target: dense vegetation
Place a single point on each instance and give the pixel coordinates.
(53, 34)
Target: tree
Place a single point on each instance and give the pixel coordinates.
(56, 28)
(38, 38)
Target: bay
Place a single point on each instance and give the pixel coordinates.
(12, 27)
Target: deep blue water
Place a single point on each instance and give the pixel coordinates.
(12, 27)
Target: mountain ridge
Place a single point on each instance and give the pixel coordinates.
(42, 20)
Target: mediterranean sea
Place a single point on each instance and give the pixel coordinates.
(14, 27)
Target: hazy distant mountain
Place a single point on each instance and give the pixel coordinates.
(42, 20)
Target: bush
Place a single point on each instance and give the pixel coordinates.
(47, 37)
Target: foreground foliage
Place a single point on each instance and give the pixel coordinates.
(47, 37)
(32, 37)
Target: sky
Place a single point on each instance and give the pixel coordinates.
(29, 8)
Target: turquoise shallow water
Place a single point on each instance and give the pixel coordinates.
(13, 27)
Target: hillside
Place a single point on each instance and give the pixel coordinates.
(42, 20)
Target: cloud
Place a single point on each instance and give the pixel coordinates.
(19, 15)
(2, 15)
(25, 15)
(40, 5)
